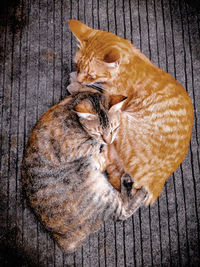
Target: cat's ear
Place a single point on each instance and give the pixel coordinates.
(84, 111)
(112, 58)
(80, 30)
(86, 116)
(116, 102)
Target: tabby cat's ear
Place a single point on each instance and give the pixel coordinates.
(116, 102)
(86, 116)
(84, 111)
(80, 30)
(112, 58)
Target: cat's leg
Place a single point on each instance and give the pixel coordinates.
(107, 162)
(75, 87)
(114, 174)
(132, 198)
(73, 77)
(114, 167)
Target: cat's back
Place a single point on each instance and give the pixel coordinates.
(155, 97)
(57, 130)
(156, 128)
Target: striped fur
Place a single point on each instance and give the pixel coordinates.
(62, 169)
(157, 120)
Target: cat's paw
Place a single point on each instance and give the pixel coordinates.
(132, 198)
(73, 77)
(74, 87)
(127, 185)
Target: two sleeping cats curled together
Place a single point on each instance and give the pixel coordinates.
(137, 130)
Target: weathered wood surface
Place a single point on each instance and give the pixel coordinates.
(36, 58)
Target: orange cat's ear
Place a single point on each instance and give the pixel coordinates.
(112, 58)
(84, 111)
(116, 102)
(80, 30)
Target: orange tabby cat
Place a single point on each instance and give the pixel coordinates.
(157, 120)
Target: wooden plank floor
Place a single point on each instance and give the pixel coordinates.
(36, 57)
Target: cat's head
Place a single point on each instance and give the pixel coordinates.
(99, 54)
(99, 115)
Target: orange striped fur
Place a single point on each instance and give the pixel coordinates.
(157, 120)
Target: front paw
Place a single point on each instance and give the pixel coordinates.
(74, 87)
(73, 77)
(132, 198)
(127, 185)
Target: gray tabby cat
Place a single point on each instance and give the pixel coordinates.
(62, 170)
